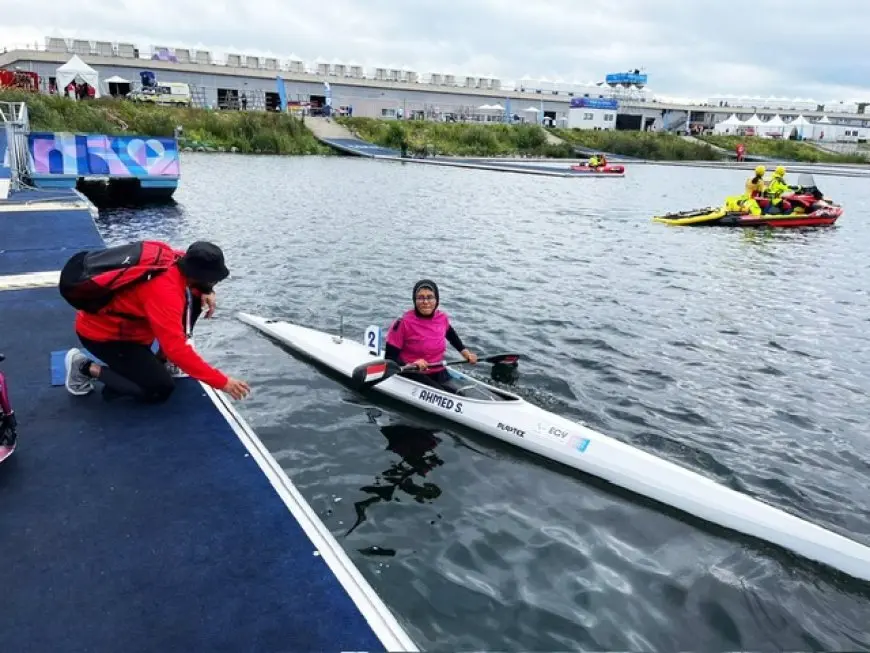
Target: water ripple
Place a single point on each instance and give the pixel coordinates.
(741, 355)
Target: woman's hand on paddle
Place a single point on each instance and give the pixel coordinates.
(236, 389)
(470, 356)
(421, 364)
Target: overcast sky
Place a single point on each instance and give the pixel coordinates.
(792, 48)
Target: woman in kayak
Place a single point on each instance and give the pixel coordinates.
(418, 337)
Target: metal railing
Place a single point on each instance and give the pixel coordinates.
(16, 121)
(14, 113)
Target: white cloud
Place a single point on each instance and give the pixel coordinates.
(791, 48)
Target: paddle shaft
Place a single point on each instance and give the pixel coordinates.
(373, 372)
(494, 359)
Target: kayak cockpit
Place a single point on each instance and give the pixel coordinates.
(466, 386)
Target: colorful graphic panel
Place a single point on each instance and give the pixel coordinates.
(97, 155)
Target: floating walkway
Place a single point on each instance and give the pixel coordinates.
(556, 168)
(337, 136)
(127, 527)
(361, 148)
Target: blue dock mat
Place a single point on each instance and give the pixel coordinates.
(72, 230)
(23, 261)
(146, 528)
(143, 528)
(43, 241)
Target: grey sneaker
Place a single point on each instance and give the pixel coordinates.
(77, 382)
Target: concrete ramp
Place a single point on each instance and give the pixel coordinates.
(360, 148)
(341, 138)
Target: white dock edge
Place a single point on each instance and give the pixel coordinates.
(376, 613)
(39, 205)
(30, 280)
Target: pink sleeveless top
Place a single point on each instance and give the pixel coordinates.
(418, 337)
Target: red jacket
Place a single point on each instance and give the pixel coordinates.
(160, 305)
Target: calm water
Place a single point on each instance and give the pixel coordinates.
(742, 355)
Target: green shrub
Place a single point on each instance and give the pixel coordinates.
(248, 131)
(786, 150)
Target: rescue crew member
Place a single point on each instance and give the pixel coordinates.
(755, 184)
(419, 337)
(746, 203)
(121, 334)
(775, 190)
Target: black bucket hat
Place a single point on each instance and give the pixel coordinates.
(204, 262)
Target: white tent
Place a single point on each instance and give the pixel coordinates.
(731, 124)
(755, 124)
(775, 125)
(116, 85)
(803, 126)
(820, 127)
(74, 69)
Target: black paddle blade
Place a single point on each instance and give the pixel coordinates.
(373, 372)
(506, 359)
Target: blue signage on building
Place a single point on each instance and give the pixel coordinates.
(626, 79)
(594, 103)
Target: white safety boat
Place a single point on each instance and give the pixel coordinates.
(510, 418)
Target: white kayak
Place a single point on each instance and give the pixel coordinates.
(510, 418)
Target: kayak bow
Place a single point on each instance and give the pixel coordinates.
(508, 417)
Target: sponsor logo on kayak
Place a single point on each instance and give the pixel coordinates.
(553, 431)
(565, 437)
(440, 400)
(512, 429)
(557, 433)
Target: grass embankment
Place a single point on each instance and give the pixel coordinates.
(246, 131)
(464, 139)
(654, 146)
(457, 139)
(785, 150)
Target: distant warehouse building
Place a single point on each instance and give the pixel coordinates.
(249, 82)
(592, 113)
(239, 81)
